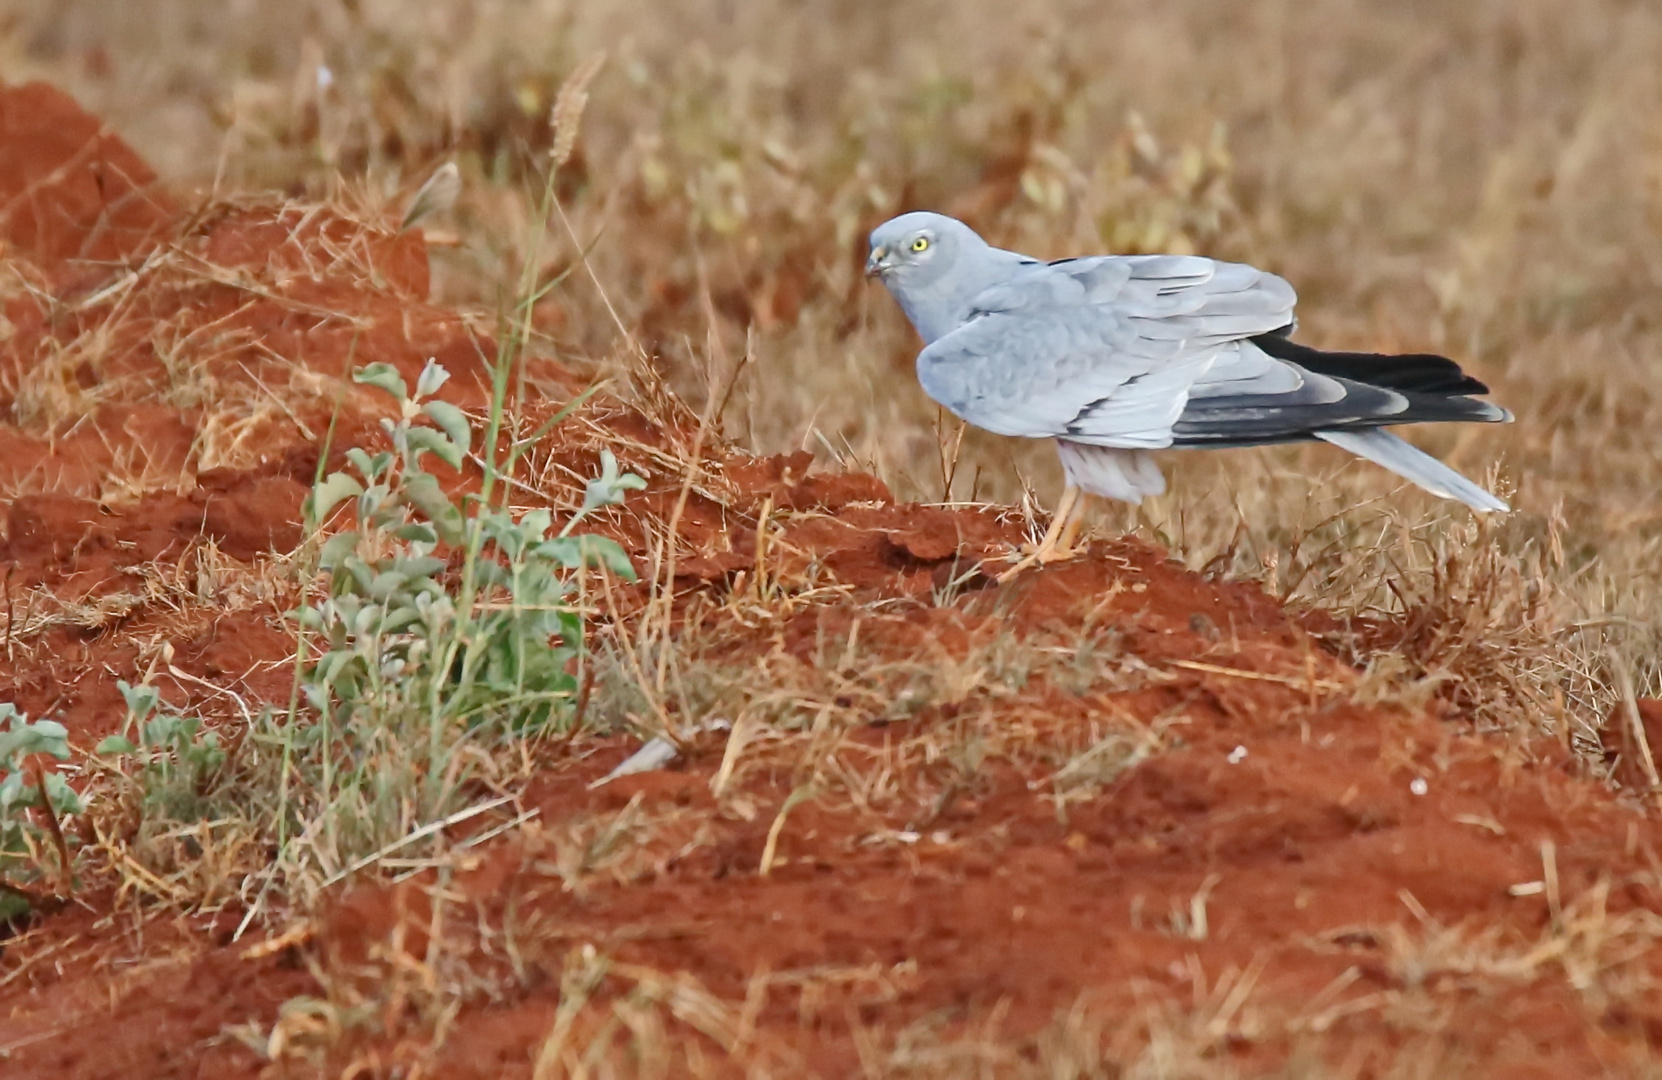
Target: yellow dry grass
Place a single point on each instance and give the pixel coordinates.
(1482, 180)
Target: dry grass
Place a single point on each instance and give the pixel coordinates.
(1484, 183)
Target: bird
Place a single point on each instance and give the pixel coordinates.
(1115, 356)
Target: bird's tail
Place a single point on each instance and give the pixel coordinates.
(1384, 449)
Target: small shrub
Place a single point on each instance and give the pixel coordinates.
(177, 764)
(501, 647)
(446, 630)
(443, 632)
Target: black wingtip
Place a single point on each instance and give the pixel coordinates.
(1422, 373)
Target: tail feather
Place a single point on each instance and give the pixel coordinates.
(1384, 449)
(1111, 472)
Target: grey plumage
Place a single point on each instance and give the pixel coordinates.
(1382, 448)
(1114, 356)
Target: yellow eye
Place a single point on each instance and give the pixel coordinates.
(921, 244)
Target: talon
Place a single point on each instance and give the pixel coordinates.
(1059, 541)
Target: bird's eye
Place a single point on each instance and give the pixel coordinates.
(921, 244)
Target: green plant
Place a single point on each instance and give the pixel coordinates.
(502, 646)
(447, 626)
(23, 839)
(180, 764)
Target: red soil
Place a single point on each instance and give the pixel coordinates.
(71, 192)
(1293, 812)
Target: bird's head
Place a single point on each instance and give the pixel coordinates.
(916, 250)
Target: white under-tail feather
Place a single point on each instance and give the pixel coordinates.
(1384, 449)
(1112, 472)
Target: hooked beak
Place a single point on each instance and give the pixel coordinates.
(878, 262)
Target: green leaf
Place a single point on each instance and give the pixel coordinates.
(422, 491)
(432, 377)
(370, 467)
(535, 524)
(372, 500)
(390, 517)
(335, 664)
(367, 620)
(114, 744)
(386, 584)
(383, 377)
(610, 554)
(398, 619)
(336, 549)
(41, 737)
(576, 552)
(426, 438)
(419, 566)
(141, 700)
(416, 532)
(608, 488)
(362, 576)
(360, 460)
(52, 731)
(344, 608)
(489, 574)
(14, 792)
(329, 493)
(452, 420)
(571, 630)
(65, 799)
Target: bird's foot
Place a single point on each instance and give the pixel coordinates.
(1059, 541)
(1042, 554)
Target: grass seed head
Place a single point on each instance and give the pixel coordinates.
(569, 104)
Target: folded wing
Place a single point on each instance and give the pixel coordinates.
(1160, 350)
(1105, 350)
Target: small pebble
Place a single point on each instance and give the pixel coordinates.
(1237, 755)
(1418, 786)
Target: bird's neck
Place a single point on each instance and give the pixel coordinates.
(940, 307)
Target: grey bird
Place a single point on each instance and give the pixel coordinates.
(1117, 355)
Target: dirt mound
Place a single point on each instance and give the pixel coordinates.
(71, 192)
(1105, 804)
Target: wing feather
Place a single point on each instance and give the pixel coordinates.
(1104, 350)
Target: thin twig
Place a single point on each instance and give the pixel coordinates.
(425, 831)
(1261, 676)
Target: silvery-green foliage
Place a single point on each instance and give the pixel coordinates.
(610, 486)
(179, 763)
(22, 837)
(398, 629)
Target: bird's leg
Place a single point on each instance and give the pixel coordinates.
(1067, 547)
(1057, 542)
(1052, 546)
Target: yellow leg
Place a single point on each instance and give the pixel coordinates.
(1057, 542)
(1068, 547)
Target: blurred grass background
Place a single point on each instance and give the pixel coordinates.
(1481, 179)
